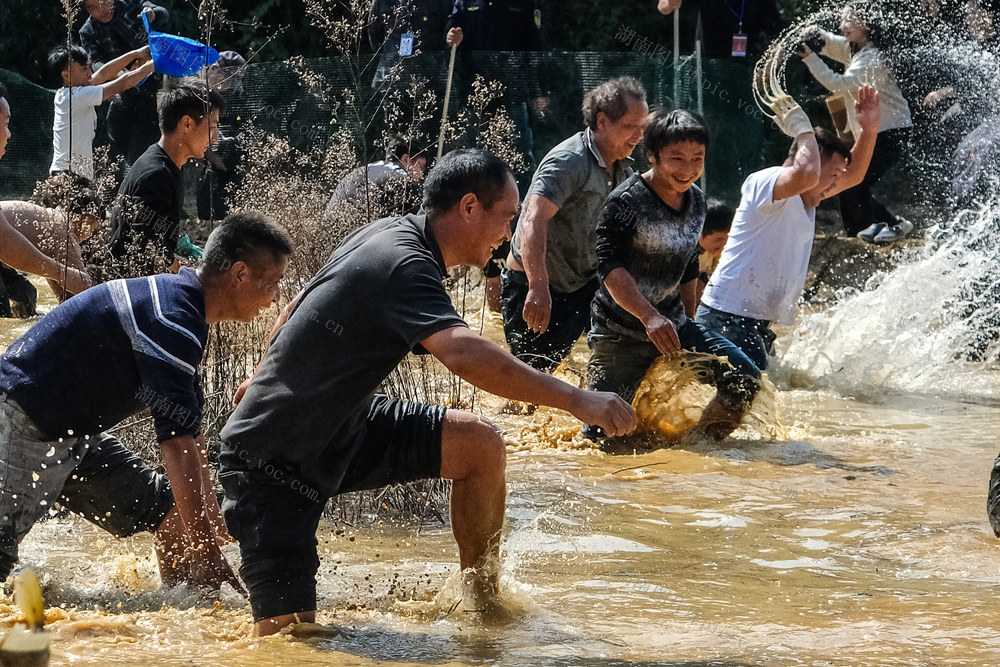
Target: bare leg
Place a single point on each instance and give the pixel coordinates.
(474, 457)
(170, 541)
(269, 626)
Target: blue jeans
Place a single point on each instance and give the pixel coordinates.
(753, 337)
(618, 364)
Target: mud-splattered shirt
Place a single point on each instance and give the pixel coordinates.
(657, 245)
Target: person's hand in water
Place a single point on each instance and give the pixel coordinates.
(209, 568)
(605, 409)
(663, 335)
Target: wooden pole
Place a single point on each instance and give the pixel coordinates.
(447, 97)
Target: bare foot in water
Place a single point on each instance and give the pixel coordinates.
(305, 630)
(518, 408)
(481, 598)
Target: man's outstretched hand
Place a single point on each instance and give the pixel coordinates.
(605, 409)
(210, 569)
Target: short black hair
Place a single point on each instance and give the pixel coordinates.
(612, 99)
(248, 237)
(3, 90)
(60, 59)
(398, 145)
(74, 192)
(670, 127)
(829, 145)
(719, 218)
(175, 103)
(463, 171)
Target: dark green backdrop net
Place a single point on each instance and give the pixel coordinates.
(275, 99)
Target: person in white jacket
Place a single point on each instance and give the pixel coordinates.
(863, 215)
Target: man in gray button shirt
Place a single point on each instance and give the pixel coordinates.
(552, 267)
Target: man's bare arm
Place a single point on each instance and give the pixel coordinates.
(213, 510)
(534, 225)
(127, 80)
(184, 470)
(488, 367)
(624, 290)
(690, 296)
(18, 252)
(111, 70)
(803, 173)
(869, 114)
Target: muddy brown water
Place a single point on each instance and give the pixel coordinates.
(858, 537)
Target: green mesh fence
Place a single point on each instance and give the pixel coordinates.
(335, 94)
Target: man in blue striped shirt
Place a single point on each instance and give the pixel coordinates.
(108, 354)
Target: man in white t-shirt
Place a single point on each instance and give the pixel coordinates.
(76, 102)
(763, 267)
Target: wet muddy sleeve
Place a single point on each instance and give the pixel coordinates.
(615, 233)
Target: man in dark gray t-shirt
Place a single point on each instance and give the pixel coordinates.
(551, 271)
(310, 423)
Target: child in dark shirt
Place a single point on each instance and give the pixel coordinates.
(714, 234)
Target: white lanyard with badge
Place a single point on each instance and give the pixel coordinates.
(739, 39)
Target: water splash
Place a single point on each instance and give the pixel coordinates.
(927, 326)
(674, 393)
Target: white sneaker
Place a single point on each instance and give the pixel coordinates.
(869, 233)
(895, 232)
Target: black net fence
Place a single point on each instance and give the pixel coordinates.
(312, 102)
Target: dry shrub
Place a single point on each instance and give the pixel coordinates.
(293, 185)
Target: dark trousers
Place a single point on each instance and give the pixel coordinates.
(858, 207)
(569, 319)
(17, 294)
(133, 125)
(753, 337)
